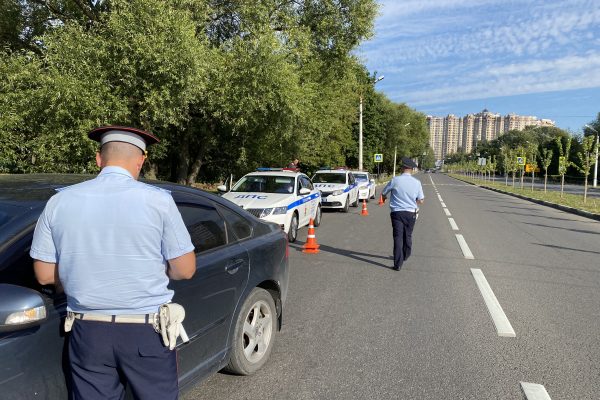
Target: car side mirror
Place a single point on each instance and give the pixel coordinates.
(222, 188)
(372, 180)
(304, 191)
(20, 308)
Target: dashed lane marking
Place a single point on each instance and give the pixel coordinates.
(453, 224)
(447, 212)
(464, 247)
(443, 204)
(503, 326)
(534, 391)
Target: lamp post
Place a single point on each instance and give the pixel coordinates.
(396, 152)
(596, 164)
(360, 129)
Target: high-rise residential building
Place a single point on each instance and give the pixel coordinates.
(449, 134)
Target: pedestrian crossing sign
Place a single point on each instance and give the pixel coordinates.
(378, 158)
(520, 160)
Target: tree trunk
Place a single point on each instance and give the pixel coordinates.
(183, 163)
(545, 180)
(151, 171)
(585, 188)
(194, 170)
(562, 185)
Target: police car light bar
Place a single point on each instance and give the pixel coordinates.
(265, 169)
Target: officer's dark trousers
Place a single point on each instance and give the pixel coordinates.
(403, 223)
(105, 357)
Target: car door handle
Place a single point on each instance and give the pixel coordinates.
(234, 266)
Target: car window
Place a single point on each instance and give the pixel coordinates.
(265, 184)
(361, 177)
(306, 183)
(236, 224)
(205, 225)
(327, 177)
(350, 178)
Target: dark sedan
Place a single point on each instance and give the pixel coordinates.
(233, 303)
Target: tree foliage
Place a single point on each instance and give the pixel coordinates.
(226, 85)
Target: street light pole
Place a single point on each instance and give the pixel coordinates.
(596, 164)
(360, 129)
(396, 152)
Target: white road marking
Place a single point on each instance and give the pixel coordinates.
(452, 222)
(440, 198)
(503, 326)
(534, 391)
(464, 247)
(447, 212)
(443, 204)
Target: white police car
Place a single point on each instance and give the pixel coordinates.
(366, 185)
(283, 196)
(338, 188)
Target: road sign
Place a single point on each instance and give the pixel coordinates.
(378, 158)
(481, 161)
(520, 160)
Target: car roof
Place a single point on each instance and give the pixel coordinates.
(335, 171)
(275, 173)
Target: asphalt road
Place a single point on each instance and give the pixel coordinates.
(355, 329)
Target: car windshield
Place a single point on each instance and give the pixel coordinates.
(265, 184)
(361, 177)
(329, 178)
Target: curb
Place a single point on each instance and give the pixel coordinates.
(571, 210)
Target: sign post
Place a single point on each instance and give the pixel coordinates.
(378, 159)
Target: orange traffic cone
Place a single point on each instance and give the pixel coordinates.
(364, 211)
(311, 245)
(381, 202)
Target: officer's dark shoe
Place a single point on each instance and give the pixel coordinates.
(396, 268)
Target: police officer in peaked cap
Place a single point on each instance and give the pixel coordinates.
(406, 194)
(113, 243)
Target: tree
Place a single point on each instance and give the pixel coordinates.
(532, 153)
(587, 160)
(563, 160)
(546, 160)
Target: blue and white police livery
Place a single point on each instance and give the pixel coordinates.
(366, 185)
(285, 197)
(338, 188)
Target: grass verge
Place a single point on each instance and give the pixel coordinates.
(568, 200)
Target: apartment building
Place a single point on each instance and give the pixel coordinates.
(449, 134)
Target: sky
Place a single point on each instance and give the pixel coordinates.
(530, 57)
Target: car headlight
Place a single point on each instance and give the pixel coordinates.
(337, 192)
(265, 212)
(279, 210)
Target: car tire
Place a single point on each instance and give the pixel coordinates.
(254, 333)
(293, 229)
(355, 204)
(346, 205)
(373, 196)
(318, 216)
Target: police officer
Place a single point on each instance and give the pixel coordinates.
(405, 193)
(113, 243)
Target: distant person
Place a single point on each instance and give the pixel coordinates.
(294, 164)
(113, 243)
(406, 193)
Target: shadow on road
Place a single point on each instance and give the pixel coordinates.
(355, 255)
(566, 248)
(566, 229)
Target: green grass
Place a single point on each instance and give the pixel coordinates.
(569, 200)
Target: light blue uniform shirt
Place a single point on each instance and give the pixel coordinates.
(111, 237)
(406, 190)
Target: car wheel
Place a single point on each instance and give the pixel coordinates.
(318, 216)
(293, 231)
(373, 196)
(254, 333)
(355, 204)
(347, 205)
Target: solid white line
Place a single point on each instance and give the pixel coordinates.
(534, 391)
(452, 223)
(443, 204)
(447, 212)
(503, 326)
(464, 247)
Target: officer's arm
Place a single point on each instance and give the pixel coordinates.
(46, 273)
(182, 267)
(421, 201)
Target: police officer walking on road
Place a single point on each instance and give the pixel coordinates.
(406, 193)
(113, 243)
